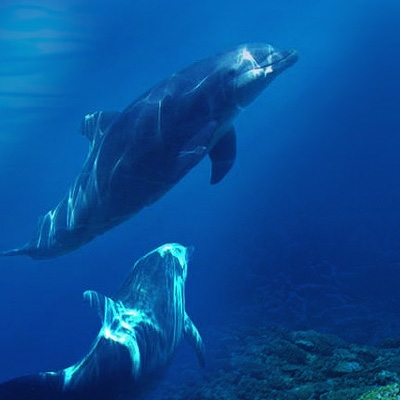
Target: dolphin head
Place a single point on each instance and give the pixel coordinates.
(251, 67)
(223, 84)
(157, 280)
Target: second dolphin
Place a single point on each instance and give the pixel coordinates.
(142, 327)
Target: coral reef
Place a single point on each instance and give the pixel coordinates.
(260, 363)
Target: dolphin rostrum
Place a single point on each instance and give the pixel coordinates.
(137, 155)
(142, 327)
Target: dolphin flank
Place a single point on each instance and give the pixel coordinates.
(142, 327)
(137, 155)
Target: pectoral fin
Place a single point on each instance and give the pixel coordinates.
(223, 156)
(194, 338)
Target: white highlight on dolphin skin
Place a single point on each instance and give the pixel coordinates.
(47, 229)
(256, 68)
(197, 86)
(159, 119)
(268, 70)
(70, 372)
(119, 324)
(198, 151)
(178, 251)
(247, 56)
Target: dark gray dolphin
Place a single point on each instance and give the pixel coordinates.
(141, 330)
(138, 154)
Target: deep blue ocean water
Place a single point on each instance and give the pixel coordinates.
(305, 229)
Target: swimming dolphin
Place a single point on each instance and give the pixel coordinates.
(137, 155)
(142, 327)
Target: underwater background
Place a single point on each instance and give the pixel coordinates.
(303, 233)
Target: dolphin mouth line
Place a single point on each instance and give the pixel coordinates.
(289, 59)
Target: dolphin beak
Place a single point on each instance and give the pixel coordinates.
(280, 60)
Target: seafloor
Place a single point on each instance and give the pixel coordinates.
(255, 363)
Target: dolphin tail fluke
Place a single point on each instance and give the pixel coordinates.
(21, 251)
(43, 386)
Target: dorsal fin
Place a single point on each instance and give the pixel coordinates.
(100, 302)
(97, 123)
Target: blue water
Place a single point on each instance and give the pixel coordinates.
(307, 221)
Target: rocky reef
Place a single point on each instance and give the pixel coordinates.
(263, 363)
(390, 392)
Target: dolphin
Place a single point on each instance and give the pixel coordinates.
(142, 327)
(137, 155)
